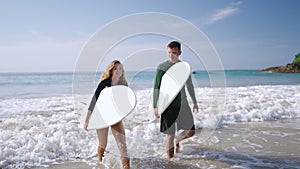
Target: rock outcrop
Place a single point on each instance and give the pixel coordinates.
(289, 68)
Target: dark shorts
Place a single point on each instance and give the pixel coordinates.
(177, 116)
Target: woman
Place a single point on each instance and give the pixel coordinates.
(113, 75)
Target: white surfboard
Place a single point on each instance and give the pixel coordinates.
(113, 104)
(171, 84)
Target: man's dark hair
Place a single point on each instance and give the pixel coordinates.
(174, 44)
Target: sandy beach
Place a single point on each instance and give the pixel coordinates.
(273, 144)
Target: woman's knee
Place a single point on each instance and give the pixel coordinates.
(102, 137)
(118, 128)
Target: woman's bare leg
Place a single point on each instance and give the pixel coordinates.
(102, 137)
(119, 134)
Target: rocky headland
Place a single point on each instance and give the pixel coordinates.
(289, 68)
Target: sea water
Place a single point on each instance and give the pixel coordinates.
(39, 119)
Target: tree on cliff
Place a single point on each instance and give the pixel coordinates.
(297, 58)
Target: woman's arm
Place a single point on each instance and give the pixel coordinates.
(101, 86)
(88, 115)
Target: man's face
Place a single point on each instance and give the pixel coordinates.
(174, 54)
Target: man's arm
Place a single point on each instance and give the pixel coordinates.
(191, 91)
(157, 82)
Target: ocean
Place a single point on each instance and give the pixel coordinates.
(250, 122)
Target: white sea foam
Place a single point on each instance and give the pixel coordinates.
(261, 103)
(240, 104)
(42, 131)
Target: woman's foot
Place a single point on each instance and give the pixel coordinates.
(125, 162)
(100, 153)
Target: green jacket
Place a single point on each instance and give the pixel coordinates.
(160, 71)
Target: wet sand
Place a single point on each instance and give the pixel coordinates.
(274, 144)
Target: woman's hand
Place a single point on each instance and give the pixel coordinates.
(88, 114)
(86, 126)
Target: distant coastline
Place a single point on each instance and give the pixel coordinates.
(289, 68)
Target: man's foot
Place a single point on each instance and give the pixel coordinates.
(170, 153)
(176, 146)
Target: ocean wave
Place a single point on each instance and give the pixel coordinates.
(261, 103)
(219, 106)
(231, 104)
(42, 131)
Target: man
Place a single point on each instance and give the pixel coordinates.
(178, 113)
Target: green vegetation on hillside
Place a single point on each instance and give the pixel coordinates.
(297, 58)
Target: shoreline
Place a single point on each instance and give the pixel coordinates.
(268, 144)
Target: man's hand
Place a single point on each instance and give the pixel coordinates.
(195, 108)
(156, 112)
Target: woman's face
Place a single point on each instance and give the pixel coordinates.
(117, 71)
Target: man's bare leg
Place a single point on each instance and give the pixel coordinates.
(170, 145)
(183, 135)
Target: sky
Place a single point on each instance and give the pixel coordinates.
(48, 36)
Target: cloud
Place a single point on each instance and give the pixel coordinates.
(236, 3)
(36, 35)
(224, 13)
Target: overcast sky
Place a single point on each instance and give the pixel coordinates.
(47, 36)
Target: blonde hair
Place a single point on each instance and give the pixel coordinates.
(107, 74)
